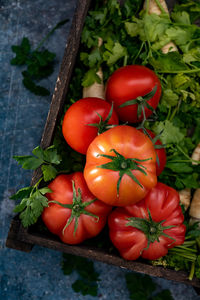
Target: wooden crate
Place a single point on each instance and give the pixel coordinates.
(24, 239)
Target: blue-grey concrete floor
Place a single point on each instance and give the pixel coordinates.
(38, 275)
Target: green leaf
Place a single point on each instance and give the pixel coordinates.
(172, 61)
(192, 55)
(22, 52)
(170, 133)
(31, 208)
(28, 162)
(90, 77)
(94, 58)
(49, 172)
(45, 190)
(40, 157)
(178, 35)
(181, 17)
(136, 283)
(179, 167)
(22, 193)
(51, 155)
(135, 28)
(115, 53)
(34, 88)
(87, 281)
(85, 287)
(39, 62)
(20, 207)
(169, 98)
(190, 181)
(163, 295)
(155, 26)
(99, 15)
(38, 152)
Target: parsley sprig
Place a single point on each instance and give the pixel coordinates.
(32, 203)
(46, 159)
(32, 198)
(39, 62)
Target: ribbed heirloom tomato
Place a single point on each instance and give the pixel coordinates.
(74, 214)
(133, 88)
(121, 166)
(85, 119)
(150, 227)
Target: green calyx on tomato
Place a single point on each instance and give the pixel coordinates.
(153, 230)
(141, 101)
(77, 208)
(103, 125)
(124, 166)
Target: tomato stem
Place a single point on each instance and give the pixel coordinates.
(77, 208)
(142, 102)
(103, 124)
(124, 166)
(153, 230)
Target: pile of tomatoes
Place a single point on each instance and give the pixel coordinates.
(119, 182)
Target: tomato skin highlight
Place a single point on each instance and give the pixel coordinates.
(55, 216)
(163, 203)
(128, 83)
(131, 143)
(76, 131)
(161, 153)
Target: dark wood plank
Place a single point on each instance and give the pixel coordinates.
(12, 240)
(64, 77)
(65, 72)
(113, 259)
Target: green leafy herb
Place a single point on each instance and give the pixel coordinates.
(86, 284)
(32, 199)
(39, 63)
(141, 287)
(170, 133)
(45, 158)
(32, 203)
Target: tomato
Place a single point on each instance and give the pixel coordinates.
(121, 166)
(74, 214)
(160, 152)
(133, 82)
(76, 129)
(150, 227)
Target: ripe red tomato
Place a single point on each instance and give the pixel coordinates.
(160, 152)
(128, 83)
(121, 166)
(150, 227)
(75, 214)
(76, 129)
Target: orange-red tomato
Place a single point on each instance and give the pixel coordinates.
(128, 83)
(77, 129)
(75, 215)
(121, 166)
(150, 227)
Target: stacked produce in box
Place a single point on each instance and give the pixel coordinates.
(126, 152)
